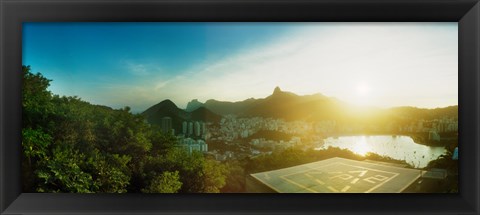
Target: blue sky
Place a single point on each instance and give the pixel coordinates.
(141, 64)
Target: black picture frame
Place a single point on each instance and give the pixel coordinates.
(14, 12)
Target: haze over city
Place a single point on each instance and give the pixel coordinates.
(141, 64)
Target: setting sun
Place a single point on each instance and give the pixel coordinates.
(363, 89)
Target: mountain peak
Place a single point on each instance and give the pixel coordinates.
(277, 90)
(193, 105)
(167, 102)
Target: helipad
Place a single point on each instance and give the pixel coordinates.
(336, 175)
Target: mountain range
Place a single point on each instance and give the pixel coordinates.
(288, 106)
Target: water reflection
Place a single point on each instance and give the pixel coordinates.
(361, 147)
(396, 147)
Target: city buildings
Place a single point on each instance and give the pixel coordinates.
(191, 145)
(237, 132)
(193, 136)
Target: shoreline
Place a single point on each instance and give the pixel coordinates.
(448, 140)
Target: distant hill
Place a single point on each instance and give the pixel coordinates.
(423, 113)
(167, 108)
(289, 106)
(204, 114)
(225, 107)
(164, 108)
(280, 104)
(193, 105)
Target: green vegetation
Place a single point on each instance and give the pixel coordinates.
(167, 182)
(73, 146)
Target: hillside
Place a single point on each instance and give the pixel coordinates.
(289, 106)
(167, 108)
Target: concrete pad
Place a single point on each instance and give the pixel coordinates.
(339, 175)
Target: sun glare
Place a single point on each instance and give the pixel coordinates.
(363, 89)
(361, 147)
(361, 94)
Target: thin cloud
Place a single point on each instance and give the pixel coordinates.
(141, 69)
(387, 58)
(400, 64)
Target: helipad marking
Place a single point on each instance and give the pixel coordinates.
(316, 168)
(342, 176)
(377, 178)
(333, 189)
(355, 180)
(310, 174)
(378, 185)
(361, 167)
(267, 176)
(362, 172)
(311, 178)
(345, 188)
(284, 177)
(300, 185)
(373, 188)
(405, 187)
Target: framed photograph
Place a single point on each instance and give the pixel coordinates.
(152, 107)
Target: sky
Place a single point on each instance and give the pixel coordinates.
(141, 64)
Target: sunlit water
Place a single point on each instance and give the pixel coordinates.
(396, 147)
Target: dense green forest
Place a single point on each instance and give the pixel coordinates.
(73, 146)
